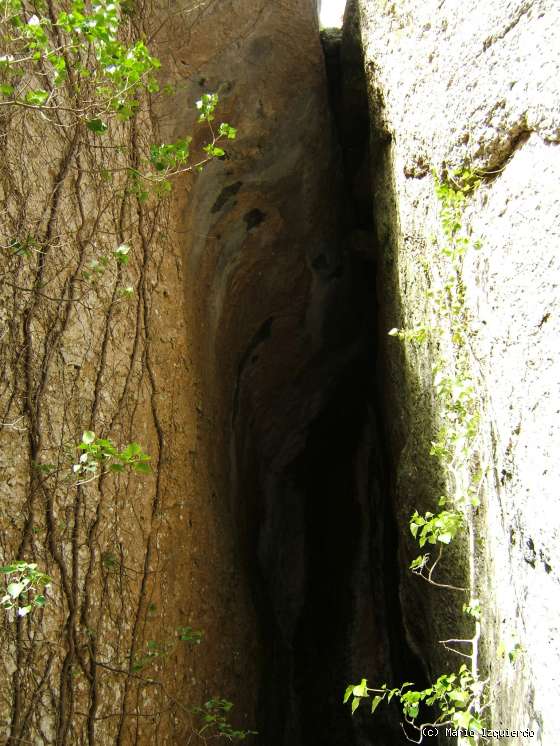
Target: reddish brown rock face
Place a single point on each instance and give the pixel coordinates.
(243, 362)
(260, 238)
(229, 348)
(249, 232)
(276, 243)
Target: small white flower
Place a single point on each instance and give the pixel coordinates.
(33, 21)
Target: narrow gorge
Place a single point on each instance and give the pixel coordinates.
(323, 308)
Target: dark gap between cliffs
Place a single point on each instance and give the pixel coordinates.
(328, 601)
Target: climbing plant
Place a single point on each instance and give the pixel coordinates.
(85, 179)
(456, 698)
(25, 587)
(213, 722)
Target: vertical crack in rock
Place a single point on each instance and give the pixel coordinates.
(280, 275)
(316, 518)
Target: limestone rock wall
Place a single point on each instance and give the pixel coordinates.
(455, 84)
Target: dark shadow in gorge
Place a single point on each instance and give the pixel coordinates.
(328, 586)
(327, 476)
(326, 575)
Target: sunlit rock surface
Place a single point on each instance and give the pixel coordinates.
(458, 84)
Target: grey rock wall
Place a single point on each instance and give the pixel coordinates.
(455, 84)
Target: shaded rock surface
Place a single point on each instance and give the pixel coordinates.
(289, 436)
(279, 286)
(247, 314)
(458, 84)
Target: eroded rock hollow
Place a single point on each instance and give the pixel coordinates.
(280, 263)
(324, 546)
(285, 280)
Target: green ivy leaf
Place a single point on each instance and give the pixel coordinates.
(213, 151)
(360, 690)
(412, 711)
(36, 98)
(188, 634)
(226, 130)
(206, 106)
(462, 719)
(97, 125)
(14, 589)
(121, 253)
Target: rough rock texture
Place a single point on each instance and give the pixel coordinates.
(455, 84)
(244, 259)
(275, 305)
(245, 365)
(258, 236)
